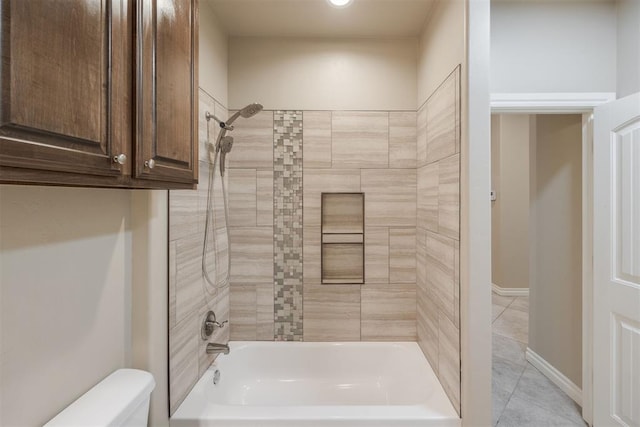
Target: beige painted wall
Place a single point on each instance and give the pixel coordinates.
(628, 53)
(555, 317)
(510, 212)
(553, 46)
(323, 74)
(441, 46)
(59, 246)
(65, 285)
(149, 295)
(214, 53)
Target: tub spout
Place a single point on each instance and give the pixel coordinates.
(214, 348)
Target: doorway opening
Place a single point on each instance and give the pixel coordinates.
(537, 268)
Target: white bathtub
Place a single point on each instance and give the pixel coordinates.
(264, 384)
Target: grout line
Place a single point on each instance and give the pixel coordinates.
(511, 395)
(510, 337)
(509, 305)
(499, 315)
(519, 377)
(534, 402)
(518, 384)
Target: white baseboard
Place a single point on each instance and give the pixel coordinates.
(555, 376)
(510, 292)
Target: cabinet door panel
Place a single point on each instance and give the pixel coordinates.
(167, 121)
(57, 106)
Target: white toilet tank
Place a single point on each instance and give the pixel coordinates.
(121, 399)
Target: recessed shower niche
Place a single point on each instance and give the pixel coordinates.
(342, 238)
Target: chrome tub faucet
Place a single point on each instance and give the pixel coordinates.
(215, 348)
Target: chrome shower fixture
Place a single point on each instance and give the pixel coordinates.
(222, 124)
(220, 149)
(225, 145)
(247, 112)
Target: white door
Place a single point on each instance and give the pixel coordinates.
(616, 264)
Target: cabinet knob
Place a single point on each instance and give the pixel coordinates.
(150, 163)
(120, 159)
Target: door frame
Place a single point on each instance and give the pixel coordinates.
(584, 104)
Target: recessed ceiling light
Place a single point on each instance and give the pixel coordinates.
(340, 3)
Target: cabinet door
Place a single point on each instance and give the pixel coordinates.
(65, 93)
(167, 116)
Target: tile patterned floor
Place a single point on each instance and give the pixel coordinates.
(522, 396)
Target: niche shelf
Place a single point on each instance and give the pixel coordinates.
(342, 238)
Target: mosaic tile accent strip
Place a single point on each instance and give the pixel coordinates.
(287, 223)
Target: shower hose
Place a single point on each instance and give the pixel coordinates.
(210, 226)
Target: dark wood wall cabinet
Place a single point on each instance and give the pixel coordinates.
(99, 93)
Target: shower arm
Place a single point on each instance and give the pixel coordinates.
(224, 128)
(222, 124)
(247, 112)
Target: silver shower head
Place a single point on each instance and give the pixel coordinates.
(225, 147)
(247, 112)
(224, 143)
(251, 110)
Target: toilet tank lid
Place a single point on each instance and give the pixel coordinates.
(109, 402)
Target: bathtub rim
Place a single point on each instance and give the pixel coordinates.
(356, 415)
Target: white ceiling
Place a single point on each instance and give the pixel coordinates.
(316, 18)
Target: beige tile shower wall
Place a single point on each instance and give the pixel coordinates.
(250, 177)
(189, 297)
(372, 152)
(438, 233)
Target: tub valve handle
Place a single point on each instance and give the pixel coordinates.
(210, 324)
(216, 324)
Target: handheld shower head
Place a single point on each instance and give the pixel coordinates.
(251, 110)
(225, 147)
(247, 112)
(224, 143)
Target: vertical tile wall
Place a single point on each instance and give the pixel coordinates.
(372, 152)
(251, 178)
(189, 297)
(287, 238)
(438, 233)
